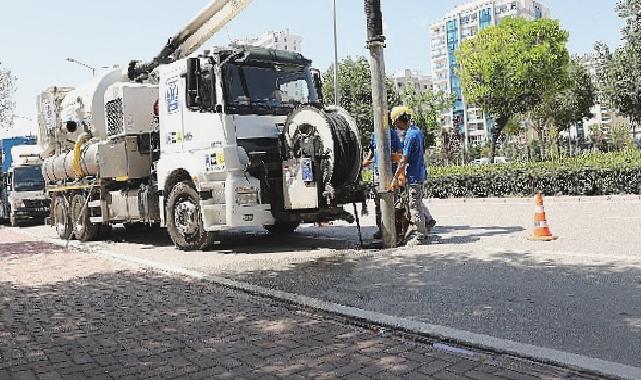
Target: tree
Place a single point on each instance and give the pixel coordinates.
(597, 137)
(569, 105)
(509, 68)
(428, 107)
(7, 91)
(355, 86)
(620, 71)
(621, 137)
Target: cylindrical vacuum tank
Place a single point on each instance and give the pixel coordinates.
(60, 168)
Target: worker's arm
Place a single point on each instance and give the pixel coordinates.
(399, 177)
(369, 159)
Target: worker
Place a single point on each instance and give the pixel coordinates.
(372, 158)
(412, 167)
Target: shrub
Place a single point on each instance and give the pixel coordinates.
(593, 174)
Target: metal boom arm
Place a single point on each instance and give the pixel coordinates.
(198, 31)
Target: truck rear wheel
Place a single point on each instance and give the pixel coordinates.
(282, 228)
(184, 220)
(83, 229)
(61, 217)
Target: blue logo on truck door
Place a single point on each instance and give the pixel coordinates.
(171, 96)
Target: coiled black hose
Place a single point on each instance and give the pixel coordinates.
(346, 151)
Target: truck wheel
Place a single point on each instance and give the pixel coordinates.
(184, 221)
(61, 218)
(83, 229)
(282, 228)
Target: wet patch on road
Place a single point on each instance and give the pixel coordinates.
(14, 250)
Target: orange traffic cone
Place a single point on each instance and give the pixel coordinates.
(541, 228)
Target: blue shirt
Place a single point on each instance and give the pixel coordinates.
(396, 146)
(414, 152)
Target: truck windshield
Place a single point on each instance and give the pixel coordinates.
(273, 89)
(28, 178)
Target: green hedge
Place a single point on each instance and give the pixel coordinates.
(594, 174)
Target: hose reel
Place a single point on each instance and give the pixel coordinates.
(329, 136)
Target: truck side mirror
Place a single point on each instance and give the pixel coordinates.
(10, 181)
(193, 81)
(318, 84)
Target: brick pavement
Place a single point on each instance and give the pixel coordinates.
(66, 315)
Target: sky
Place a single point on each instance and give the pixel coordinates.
(37, 36)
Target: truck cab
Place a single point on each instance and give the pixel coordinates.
(23, 197)
(227, 158)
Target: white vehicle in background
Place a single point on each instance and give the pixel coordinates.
(22, 191)
(237, 137)
(485, 160)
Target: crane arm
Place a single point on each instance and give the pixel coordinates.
(198, 31)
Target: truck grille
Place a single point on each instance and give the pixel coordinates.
(114, 117)
(36, 203)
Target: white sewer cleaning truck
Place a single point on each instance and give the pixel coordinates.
(234, 137)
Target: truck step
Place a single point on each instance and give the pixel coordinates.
(94, 204)
(96, 219)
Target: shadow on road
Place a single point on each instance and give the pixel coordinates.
(590, 310)
(256, 241)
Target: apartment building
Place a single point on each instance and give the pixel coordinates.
(413, 79)
(461, 23)
(280, 40)
(603, 116)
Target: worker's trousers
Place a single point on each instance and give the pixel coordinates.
(419, 214)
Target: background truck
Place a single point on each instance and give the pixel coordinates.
(237, 137)
(22, 192)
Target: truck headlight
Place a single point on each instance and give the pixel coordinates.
(246, 195)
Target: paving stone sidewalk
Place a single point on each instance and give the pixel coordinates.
(70, 315)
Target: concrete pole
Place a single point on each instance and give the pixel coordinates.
(337, 99)
(376, 46)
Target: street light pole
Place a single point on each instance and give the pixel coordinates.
(336, 90)
(376, 46)
(93, 69)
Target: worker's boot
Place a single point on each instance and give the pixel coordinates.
(430, 225)
(415, 239)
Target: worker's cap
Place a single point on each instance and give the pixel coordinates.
(401, 112)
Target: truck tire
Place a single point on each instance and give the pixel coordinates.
(184, 221)
(282, 228)
(83, 229)
(61, 218)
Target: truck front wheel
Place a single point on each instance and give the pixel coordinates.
(83, 230)
(184, 221)
(61, 217)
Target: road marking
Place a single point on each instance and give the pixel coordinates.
(444, 333)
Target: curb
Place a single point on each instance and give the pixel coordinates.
(484, 342)
(553, 199)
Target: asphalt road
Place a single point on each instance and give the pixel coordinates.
(580, 294)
